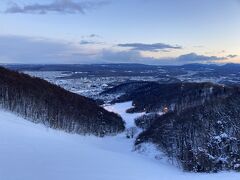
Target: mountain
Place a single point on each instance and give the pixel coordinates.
(199, 67)
(152, 96)
(41, 102)
(200, 128)
(30, 152)
(201, 138)
(81, 67)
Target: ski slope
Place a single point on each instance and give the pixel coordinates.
(121, 108)
(33, 152)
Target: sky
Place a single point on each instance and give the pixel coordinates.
(167, 32)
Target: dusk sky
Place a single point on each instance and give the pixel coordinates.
(120, 31)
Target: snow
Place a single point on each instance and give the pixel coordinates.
(221, 137)
(31, 151)
(121, 108)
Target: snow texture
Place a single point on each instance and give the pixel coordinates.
(121, 108)
(31, 151)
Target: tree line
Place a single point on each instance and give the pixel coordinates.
(203, 138)
(42, 102)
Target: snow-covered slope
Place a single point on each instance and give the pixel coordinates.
(121, 108)
(32, 152)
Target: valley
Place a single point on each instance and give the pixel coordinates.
(119, 90)
(53, 154)
(147, 99)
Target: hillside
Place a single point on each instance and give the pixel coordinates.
(152, 96)
(200, 129)
(51, 154)
(41, 102)
(205, 140)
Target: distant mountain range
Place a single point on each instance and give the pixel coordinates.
(126, 66)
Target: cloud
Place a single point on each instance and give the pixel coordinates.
(19, 49)
(87, 42)
(94, 36)
(91, 39)
(91, 36)
(193, 57)
(58, 6)
(122, 56)
(232, 56)
(136, 57)
(110, 56)
(149, 47)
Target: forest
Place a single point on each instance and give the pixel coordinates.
(201, 138)
(42, 102)
(154, 96)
